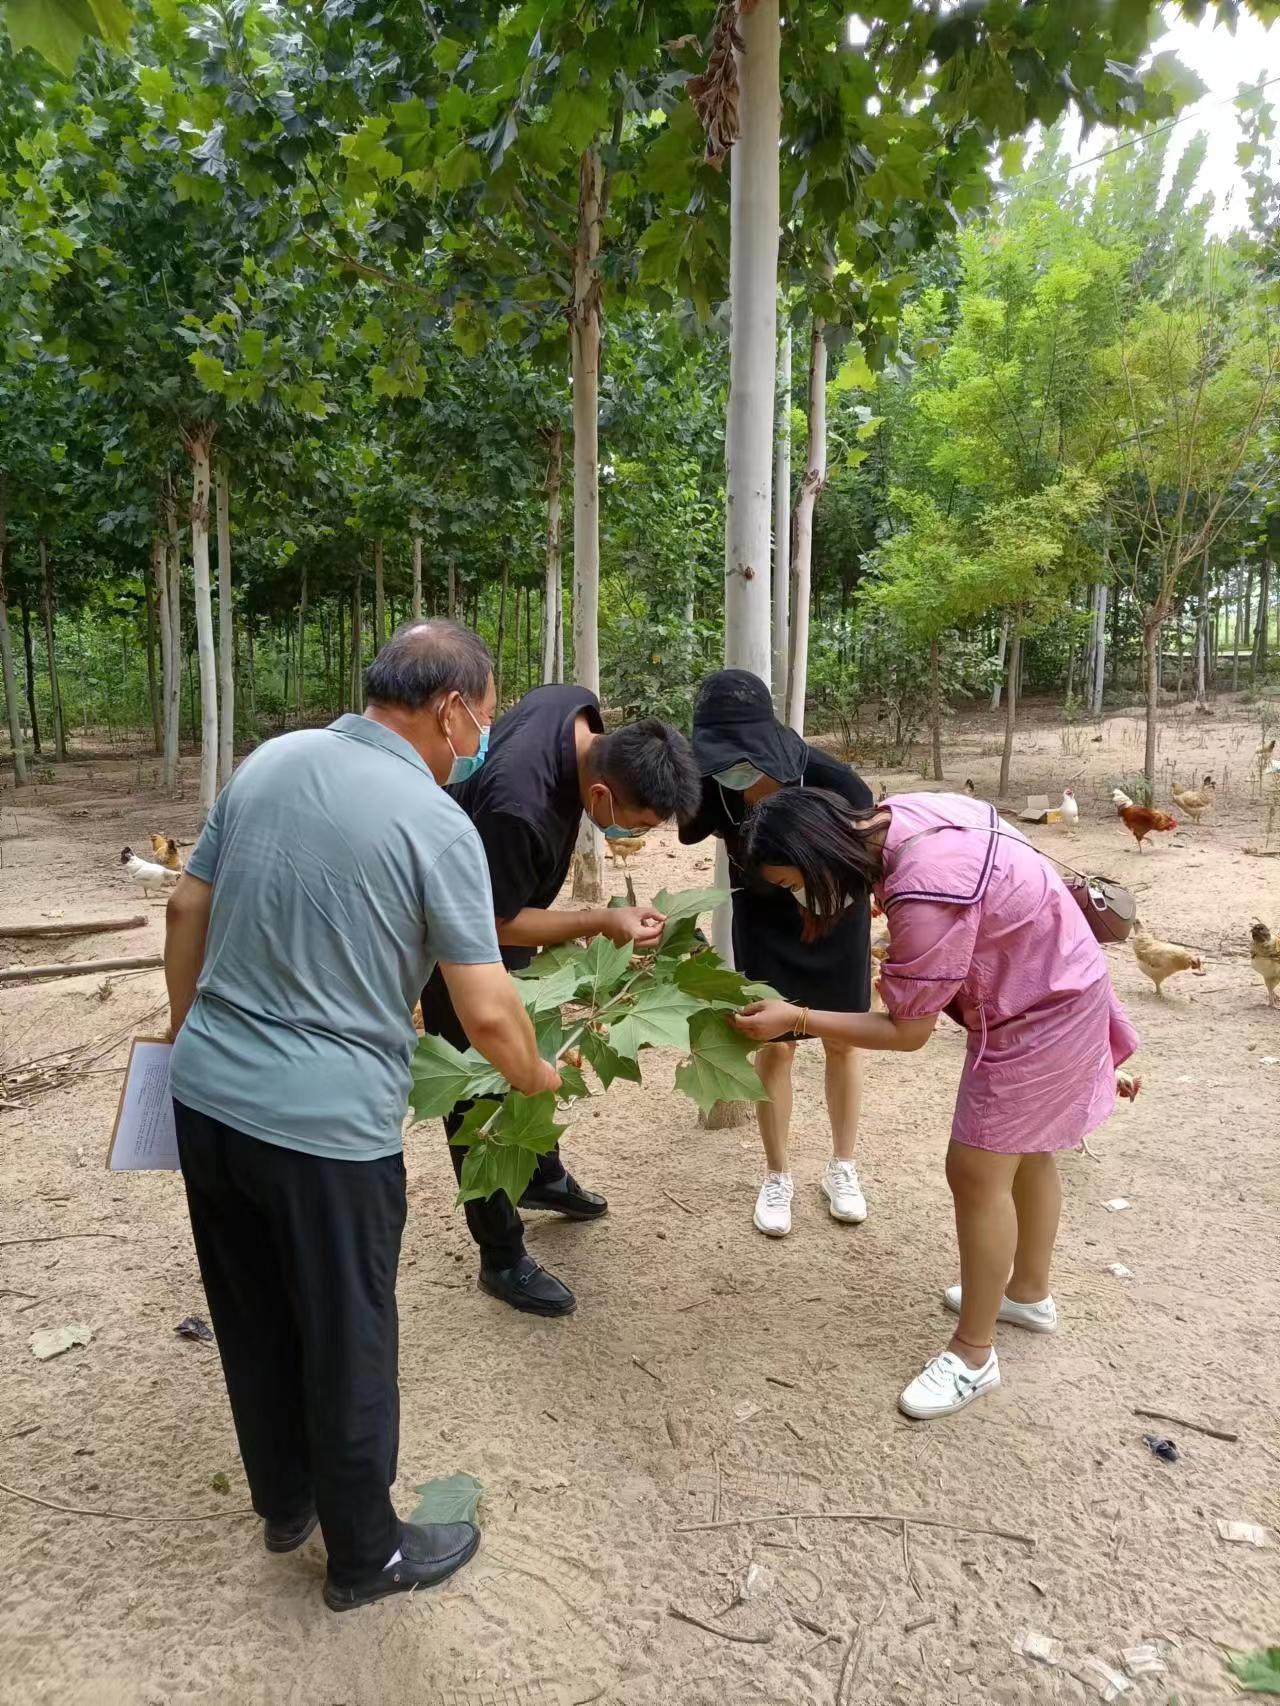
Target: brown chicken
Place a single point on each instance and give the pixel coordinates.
(1195, 802)
(1264, 957)
(624, 848)
(164, 851)
(1142, 820)
(1160, 960)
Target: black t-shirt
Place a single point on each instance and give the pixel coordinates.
(525, 803)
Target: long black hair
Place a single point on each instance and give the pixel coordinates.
(826, 839)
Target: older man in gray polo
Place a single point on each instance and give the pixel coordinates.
(334, 873)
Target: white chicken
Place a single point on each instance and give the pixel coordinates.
(147, 875)
(1068, 813)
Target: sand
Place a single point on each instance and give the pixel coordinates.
(708, 1372)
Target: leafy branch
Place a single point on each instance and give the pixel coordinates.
(600, 1007)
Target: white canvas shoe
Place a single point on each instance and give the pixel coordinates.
(773, 1205)
(843, 1192)
(1035, 1317)
(946, 1385)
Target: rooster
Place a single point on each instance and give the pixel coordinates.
(1120, 798)
(1142, 820)
(1160, 960)
(1265, 752)
(146, 874)
(1264, 957)
(164, 851)
(1195, 802)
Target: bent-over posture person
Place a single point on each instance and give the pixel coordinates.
(333, 873)
(549, 762)
(981, 927)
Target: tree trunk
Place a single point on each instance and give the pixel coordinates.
(753, 354)
(1151, 635)
(1001, 652)
(811, 487)
(417, 577)
(55, 691)
(198, 447)
(935, 708)
(251, 681)
(29, 660)
(551, 608)
(782, 527)
(1238, 641)
(153, 689)
(1011, 703)
(173, 706)
(1202, 638)
(226, 631)
(1098, 682)
(379, 600)
(1263, 626)
(357, 647)
(6, 659)
(584, 348)
(502, 631)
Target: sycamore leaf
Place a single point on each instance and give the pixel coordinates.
(441, 1077)
(549, 1032)
(688, 903)
(56, 29)
(541, 993)
(452, 1498)
(474, 1121)
(606, 1061)
(603, 969)
(719, 1067)
(490, 1168)
(678, 939)
(709, 980)
(550, 959)
(573, 1084)
(1257, 1672)
(527, 1122)
(659, 1018)
(484, 1078)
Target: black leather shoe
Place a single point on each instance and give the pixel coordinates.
(529, 1287)
(566, 1196)
(288, 1536)
(431, 1552)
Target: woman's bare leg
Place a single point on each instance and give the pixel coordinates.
(981, 1184)
(773, 1063)
(1037, 1201)
(844, 1096)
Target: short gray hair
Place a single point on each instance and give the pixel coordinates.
(424, 659)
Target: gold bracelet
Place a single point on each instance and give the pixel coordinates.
(802, 1029)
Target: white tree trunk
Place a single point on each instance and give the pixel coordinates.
(998, 689)
(198, 450)
(226, 631)
(1098, 684)
(782, 527)
(1011, 709)
(753, 352)
(551, 607)
(302, 645)
(560, 632)
(173, 701)
(815, 478)
(417, 577)
(584, 342)
(379, 600)
(50, 640)
(452, 606)
(6, 660)
(357, 645)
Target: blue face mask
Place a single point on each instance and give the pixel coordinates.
(739, 777)
(463, 769)
(619, 832)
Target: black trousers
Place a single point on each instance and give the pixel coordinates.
(493, 1223)
(298, 1256)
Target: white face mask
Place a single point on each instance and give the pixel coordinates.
(740, 776)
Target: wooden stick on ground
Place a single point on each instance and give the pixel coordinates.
(79, 968)
(1182, 1422)
(742, 1640)
(57, 1237)
(77, 927)
(123, 1516)
(860, 1516)
(684, 1205)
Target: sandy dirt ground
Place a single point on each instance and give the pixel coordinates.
(709, 1374)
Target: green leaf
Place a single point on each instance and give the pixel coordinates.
(719, 1067)
(452, 1498)
(549, 1032)
(1257, 1672)
(659, 1018)
(709, 980)
(541, 993)
(608, 1063)
(253, 345)
(573, 1085)
(56, 29)
(474, 1121)
(603, 969)
(678, 939)
(687, 903)
(527, 1122)
(550, 959)
(483, 1078)
(439, 1076)
(209, 370)
(491, 1167)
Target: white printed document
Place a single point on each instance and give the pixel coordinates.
(144, 1138)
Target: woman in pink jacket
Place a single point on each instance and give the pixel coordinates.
(982, 928)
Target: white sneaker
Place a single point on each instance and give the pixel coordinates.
(946, 1385)
(843, 1192)
(1035, 1317)
(773, 1205)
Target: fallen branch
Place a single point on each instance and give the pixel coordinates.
(57, 1237)
(80, 968)
(813, 1628)
(697, 1623)
(920, 1622)
(679, 1204)
(906, 1559)
(81, 927)
(647, 1370)
(859, 1516)
(777, 1380)
(1182, 1422)
(123, 1516)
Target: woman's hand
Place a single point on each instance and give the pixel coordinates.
(763, 1020)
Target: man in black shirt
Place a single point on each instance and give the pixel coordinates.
(549, 760)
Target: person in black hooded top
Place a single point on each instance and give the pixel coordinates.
(744, 754)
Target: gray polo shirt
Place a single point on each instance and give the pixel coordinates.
(341, 873)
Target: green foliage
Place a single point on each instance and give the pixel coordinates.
(451, 1498)
(621, 1003)
(1257, 1672)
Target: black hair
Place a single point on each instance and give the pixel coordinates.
(424, 659)
(826, 839)
(650, 767)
